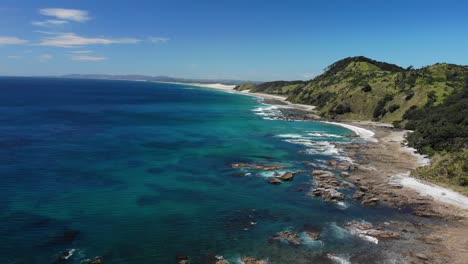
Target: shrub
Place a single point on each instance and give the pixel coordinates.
(367, 88)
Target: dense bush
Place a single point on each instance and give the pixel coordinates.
(393, 108)
(366, 88)
(440, 128)
(380, 108)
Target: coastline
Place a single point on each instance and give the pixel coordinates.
(385, 164)
(367, 131)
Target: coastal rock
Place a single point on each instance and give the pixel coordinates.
(327, 186)
(363, 188)
(221, 260)
(332, 163)
(288, 176)
(266, 167)
(367, 229)
(97, 260)
(358, 195)
(274, 181)
(313, 235)
(288, 236)
(322, 173)
(345, 174)
(183, 260)
(420, 256)
(329, 194)
(371, 201)
(250, 260)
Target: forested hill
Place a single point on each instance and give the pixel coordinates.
(432, 101)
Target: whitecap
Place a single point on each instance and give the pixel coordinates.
(310, 242)
(339, 259)
(317, 134)
(342, 205)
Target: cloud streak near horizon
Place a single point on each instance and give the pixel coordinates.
(66, 14)
(71, 40)
(6, 40)
(87, 58)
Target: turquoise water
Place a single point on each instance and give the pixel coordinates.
(140, 173)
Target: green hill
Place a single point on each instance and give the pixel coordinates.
(431, 100)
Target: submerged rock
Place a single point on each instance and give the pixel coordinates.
(266, 167)
(183, 260)
(250, 260)
(275, 181)
(97, 260)
(313, 235)
(288, 236)
(367, 229)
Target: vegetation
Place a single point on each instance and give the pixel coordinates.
(432, 101)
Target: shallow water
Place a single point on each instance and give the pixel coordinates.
(140, 173)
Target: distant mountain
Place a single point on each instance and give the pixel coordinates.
(152, 78)
(432, 101)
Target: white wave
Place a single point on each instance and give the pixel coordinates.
(270, 174)
(310, 242)
(316, 134)
(338, 231)
(339, 259)
(268, 112)
(342, 205)
(289, 136)
(302, 141)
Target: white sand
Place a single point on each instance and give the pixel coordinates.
(362, 132)
(439, 193)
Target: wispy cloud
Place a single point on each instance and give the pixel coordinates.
(88, 58)
(66, 14)
(71, 40)
(49, 23)
(81, 51)
(158, 40)
(11, 40)
(14, 57)
(44, 57)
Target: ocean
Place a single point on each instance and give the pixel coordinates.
(140, 172)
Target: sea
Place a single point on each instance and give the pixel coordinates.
(141, 172)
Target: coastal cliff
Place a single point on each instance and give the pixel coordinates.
(431, 101)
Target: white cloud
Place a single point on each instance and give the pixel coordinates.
(88, 58)
(44, 57)
(48, 23)
(66, 14)
(14, 57)
(158, 40)
(81, 51)
(11, 41)
(70, 40)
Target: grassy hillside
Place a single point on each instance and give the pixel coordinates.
(364, 89)
(431, 100)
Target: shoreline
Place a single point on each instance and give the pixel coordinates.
(366, 130)
(384, 166)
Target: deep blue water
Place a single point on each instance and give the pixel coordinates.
(140, 172)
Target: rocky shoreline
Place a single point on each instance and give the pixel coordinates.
(372, 178)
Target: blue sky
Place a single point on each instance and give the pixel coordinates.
(237, 39)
